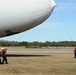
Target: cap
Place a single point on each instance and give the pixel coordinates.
(2, 48)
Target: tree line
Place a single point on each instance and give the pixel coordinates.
(37, 44)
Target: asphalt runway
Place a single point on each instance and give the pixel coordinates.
(37, 52)
(41, 51)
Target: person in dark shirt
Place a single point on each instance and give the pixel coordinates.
(3, 54)
(75, 52)
(0, 57)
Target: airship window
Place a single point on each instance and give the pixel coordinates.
(9, 32)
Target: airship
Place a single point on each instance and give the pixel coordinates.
(20, 15)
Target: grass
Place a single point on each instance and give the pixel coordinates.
(54, 64)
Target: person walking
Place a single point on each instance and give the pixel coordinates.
(3, 54)
(75, 52)
(0, 56)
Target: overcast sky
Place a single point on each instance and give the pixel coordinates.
(60, 26)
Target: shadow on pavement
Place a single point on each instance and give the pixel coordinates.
(25, 55)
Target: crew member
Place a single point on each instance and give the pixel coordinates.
(3, 54)
(0, 56)
(75, 52)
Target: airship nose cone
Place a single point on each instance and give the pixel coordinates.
(53, 4)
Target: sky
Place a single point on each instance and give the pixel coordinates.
(60, 26)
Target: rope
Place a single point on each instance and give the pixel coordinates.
(64, 23)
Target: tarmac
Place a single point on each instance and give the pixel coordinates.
(35, 52)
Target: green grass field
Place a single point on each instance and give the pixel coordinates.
(53, 64)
